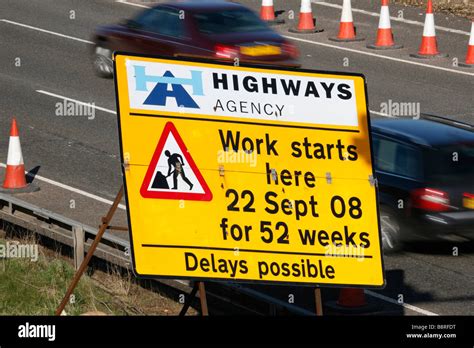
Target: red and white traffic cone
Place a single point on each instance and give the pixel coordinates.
(429, 45)
(15, 179)
(306, 22)
(384, 33)
(347, 31)
(469, 62)
(267, 13)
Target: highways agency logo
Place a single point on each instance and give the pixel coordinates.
(161, 92)
(244, 93)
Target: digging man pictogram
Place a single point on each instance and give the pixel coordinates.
(176, 160)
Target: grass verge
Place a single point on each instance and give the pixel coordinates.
(36, 287)
(30, 287)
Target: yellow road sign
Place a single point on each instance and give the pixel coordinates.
(248, 173)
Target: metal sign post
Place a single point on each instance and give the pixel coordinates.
(318, 300)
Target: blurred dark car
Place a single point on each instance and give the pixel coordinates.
(215, 30)
(425, 173)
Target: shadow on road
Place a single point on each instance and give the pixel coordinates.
(30, 176)
(303, 297)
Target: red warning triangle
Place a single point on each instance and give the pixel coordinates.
(172, 173)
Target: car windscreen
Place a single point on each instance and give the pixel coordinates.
(229, 21)
(451, 164)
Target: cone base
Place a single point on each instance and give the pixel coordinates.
(464, 65)
(357, 38)
(429, 56)
(335, 307)
(27, 189)
(391, 47)
(305, 31)
(275, 21)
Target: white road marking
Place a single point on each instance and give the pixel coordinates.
(67, 187)
(72, 189)
(380, 113)
(131, 4)
(378, 56)
(77, 101)
(398, 19)
(46, 31)
(405, 305)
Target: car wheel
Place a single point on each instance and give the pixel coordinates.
(103, 65)
(390, 226)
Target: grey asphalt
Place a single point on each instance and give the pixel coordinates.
(84, 153)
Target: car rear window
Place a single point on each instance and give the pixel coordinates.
(449, 164)
(229, 21)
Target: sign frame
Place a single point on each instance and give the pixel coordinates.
(225, 63)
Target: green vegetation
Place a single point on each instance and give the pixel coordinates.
(37, 288)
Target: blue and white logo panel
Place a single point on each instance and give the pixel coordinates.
(258, 94)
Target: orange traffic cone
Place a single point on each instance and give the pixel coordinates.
(15, 179)
(350, 301)
(384, 32)
(429, 45)
(351, 298)
(267, 13)
(470, 50)
(347, 31)
(306, 22)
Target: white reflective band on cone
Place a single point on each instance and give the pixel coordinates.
(267, 3)
(429, 29)
(15, 157)
(305, 6)
(384, 22)
(346, 11)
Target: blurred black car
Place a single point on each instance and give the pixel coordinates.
(201, 29)
(425, 173)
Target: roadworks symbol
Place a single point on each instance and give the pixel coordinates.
(172, 173)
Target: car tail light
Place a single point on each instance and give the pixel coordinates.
(468, 200)
(430, 199)
(226, 51)
(290, 50)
